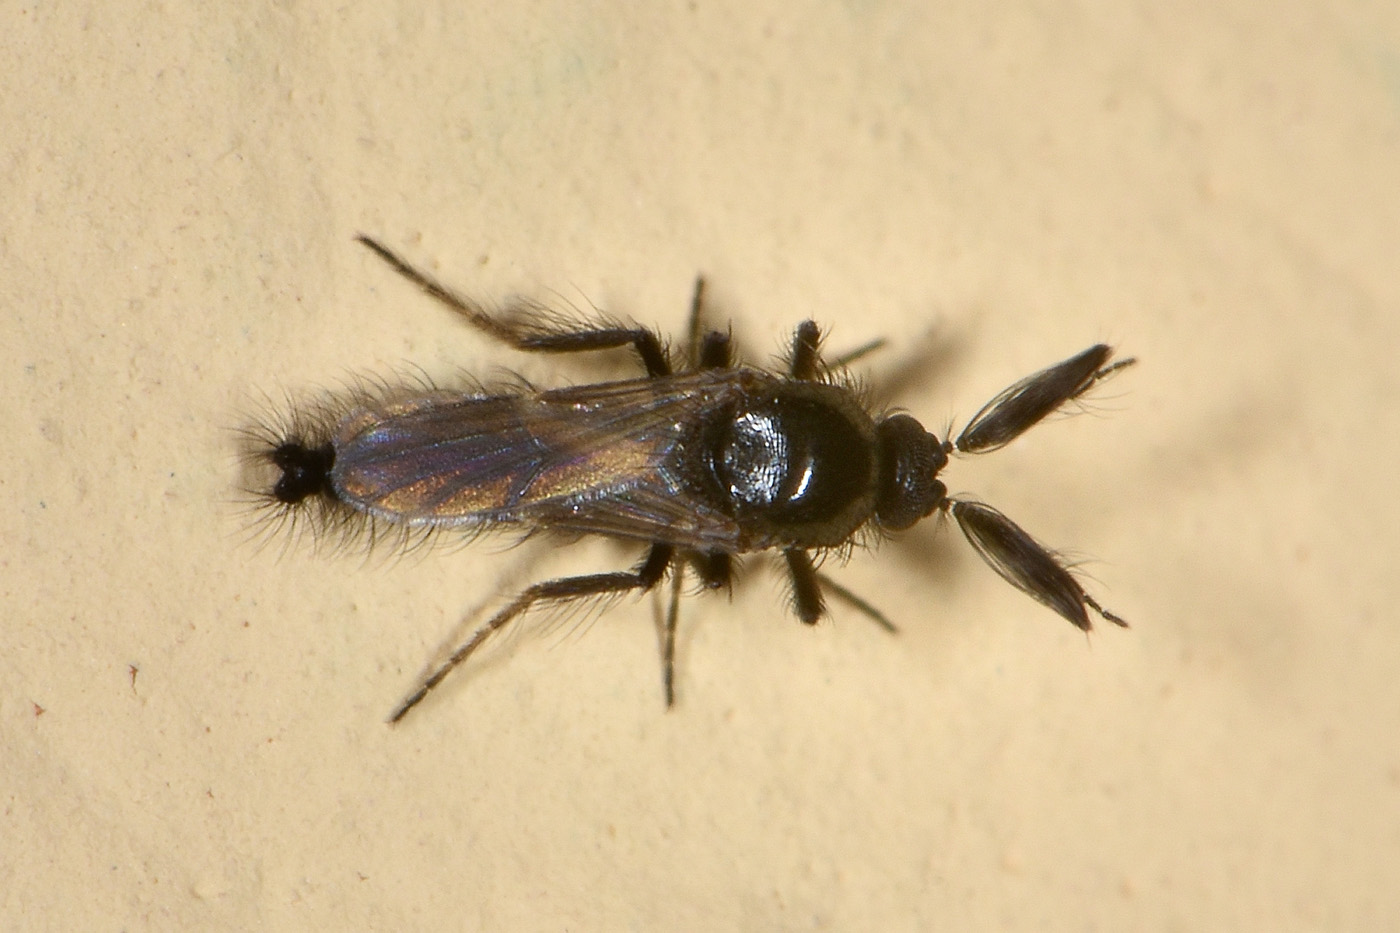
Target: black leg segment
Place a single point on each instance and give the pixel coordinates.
(646, 343)
(668, 635)
(521, 326)
(715, 351)
(562, 590)
(806, 588)
(716, 569)
(805, 344)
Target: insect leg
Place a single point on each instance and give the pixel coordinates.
(704, 350)
(855, 602)
(527, 332)
(805, 342)
(716, 569)
(714, 351)
(668, 636)
(806, 586)
(850, 356)
(1025, 563)
(564, 589)
(1020, 406)
(696, 325)
(644, 341)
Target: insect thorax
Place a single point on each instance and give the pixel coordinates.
(793, 462)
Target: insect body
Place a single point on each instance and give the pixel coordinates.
(702, 465)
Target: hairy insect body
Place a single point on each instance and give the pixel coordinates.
(733, 461)
(703, 465)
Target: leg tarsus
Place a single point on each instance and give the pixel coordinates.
(850, 356)
(855, 602)
(563, 589)
(696, 325)
(704, 350)
(668, 635)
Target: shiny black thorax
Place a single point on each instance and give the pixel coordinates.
(793, 464)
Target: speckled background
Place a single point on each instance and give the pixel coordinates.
(192, 726)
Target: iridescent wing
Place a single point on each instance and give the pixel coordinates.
(596, 458)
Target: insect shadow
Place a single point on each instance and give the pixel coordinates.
(701, 459)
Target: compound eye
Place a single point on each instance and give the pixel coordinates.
(910, 459)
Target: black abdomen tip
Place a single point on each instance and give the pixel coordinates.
(306, 471)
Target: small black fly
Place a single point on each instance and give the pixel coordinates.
(702, 465)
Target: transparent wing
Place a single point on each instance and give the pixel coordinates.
(596, 458)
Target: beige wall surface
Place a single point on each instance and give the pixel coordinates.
(192, 722)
